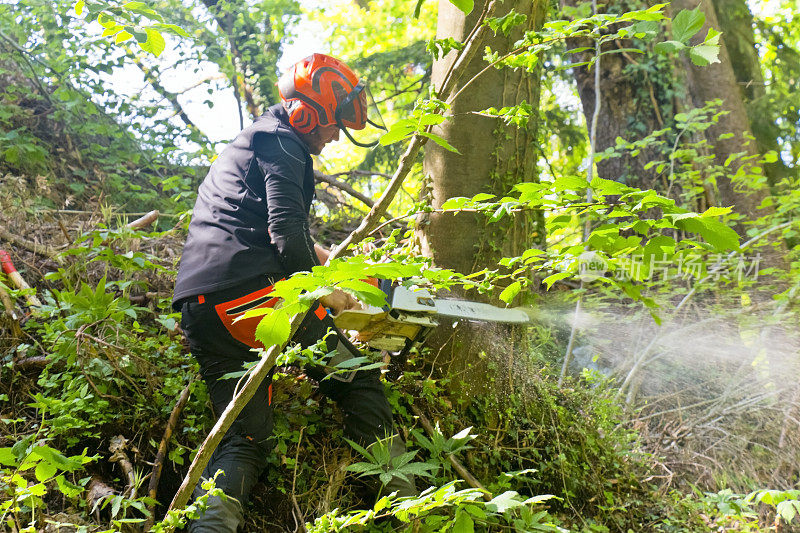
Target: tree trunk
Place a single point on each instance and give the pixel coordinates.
(635, 94)
(493, 157)
(718, 81)
(736, 24)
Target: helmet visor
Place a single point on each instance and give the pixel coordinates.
(358, 111)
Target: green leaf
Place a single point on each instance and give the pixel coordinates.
(417, 8)
(604, 186)
(364, 291)
(687, 23)
(503, 502)
(463, 523)
(464, 5)
(715, 233)
(70, 490)
(399, 131)
(155, 43)
(668, 47)
(440, 141)
(38, 490)
(7, 457)
(703, 55)
(274, 328)
(510, 292)
(549, 280)
(122, 37)
(45, 471)
(571, 183)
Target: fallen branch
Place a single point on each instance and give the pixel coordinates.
(37, 362)
(118, 455)
(40, 249)
(146, 220)
(155, 477)
(226, 419)
(342, 186)
(16, 278)
(460, 468)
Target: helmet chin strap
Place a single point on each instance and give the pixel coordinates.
(350, 137)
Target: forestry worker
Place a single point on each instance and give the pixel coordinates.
(249, 229)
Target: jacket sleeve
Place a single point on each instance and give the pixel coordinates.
(283, 162)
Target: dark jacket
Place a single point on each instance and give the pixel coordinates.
(251, 213)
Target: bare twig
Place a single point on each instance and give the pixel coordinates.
(152, 78)
(460, 468)
(158, 464)
(144, 221)
(342, 186)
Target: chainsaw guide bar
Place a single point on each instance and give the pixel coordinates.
(412, 314)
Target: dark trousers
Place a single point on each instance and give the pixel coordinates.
(243, 452)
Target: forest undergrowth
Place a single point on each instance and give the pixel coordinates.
(661, 401)
(95, 371)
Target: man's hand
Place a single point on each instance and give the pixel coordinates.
(338, 301)
(322, 254)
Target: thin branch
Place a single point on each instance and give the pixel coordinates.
(24, 53)
(460, 468)
(465, 56)
(158, 464)
(342, 186)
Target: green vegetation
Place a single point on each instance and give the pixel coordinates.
(654, 238)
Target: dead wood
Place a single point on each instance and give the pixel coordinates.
(117, 448)
(460, 468)
(155, 477)
(40, 249)
(144, 221)
(342, 186)
(37, 362)
(98, 491)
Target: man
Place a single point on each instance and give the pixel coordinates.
(249, 229)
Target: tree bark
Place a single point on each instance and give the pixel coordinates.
(717, 81)
(493, 158)
(633, 103)
(736, 23)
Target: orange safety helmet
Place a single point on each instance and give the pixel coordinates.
(320, 90)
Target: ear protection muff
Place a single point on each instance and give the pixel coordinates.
(302, 116)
